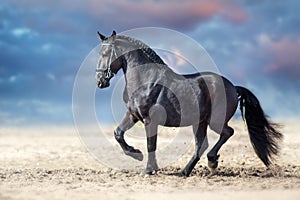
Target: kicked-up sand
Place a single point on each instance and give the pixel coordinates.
(54, 163)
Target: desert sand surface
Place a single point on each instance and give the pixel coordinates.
(53, 163)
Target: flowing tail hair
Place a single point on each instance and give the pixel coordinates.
(263, 134)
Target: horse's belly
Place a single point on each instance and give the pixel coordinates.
(190, 110)
(182, 121)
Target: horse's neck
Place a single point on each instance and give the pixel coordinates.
(141, 76)
(141, 72)
(140, 69)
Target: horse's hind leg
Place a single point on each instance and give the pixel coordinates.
(201, 144)
(125, 125)
(212, 155)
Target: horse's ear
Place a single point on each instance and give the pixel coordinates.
(102, 37)
(113, 35)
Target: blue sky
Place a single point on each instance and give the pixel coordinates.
(254, 43)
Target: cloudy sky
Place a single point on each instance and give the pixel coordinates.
(254, 43)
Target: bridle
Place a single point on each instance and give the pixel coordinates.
(109, 74)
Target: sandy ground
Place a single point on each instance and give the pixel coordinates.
(52, 163)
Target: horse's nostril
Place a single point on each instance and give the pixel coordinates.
(102, 80)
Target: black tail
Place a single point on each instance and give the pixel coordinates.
(263, 134)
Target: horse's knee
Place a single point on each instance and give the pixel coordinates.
(119, 134)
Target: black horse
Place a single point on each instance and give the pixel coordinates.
(155, 95)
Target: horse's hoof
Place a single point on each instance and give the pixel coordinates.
(213, 171)
(213, 161)
(183, 173)
(212, 164)
(151, 171)
(135, 153)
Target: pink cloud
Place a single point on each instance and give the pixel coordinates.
(282, 54)
(237, 16)
(124, 14)
(174, 13)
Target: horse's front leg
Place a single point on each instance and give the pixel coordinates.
(151, 133)
(126, 123)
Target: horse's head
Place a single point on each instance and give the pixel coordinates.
(107, 64)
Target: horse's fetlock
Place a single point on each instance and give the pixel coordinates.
(213, 158)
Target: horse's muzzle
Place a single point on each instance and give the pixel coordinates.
(103, 83)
